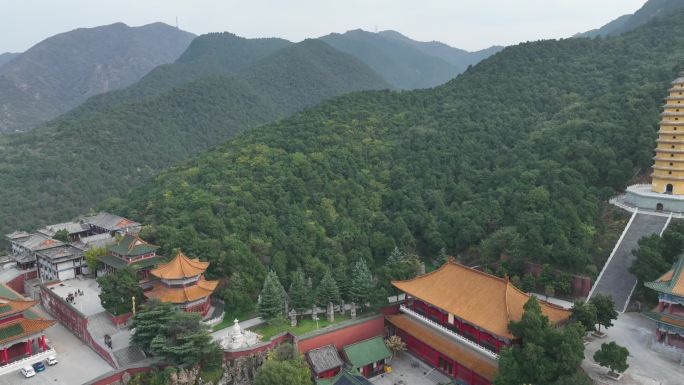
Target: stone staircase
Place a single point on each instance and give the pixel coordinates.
(615, 280)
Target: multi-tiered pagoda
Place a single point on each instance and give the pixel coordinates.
(181, 282)
(456, 319)
(669, 314)
(666, 191)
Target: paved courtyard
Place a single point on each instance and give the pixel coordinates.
(78, 363)
(647, 366)
(408, 370)
(89, 302)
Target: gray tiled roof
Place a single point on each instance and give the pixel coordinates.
(63, 252)
(17, 235)
(324, 358)
(97, 240)
(70, 227)
(37, 242)
(110, 222)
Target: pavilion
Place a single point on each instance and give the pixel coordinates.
(669, 314)
(181, 282)
(21, 330)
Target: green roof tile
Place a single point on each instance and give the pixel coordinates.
(366, 352)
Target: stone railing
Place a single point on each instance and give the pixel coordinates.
(479, 348)
(27, 361)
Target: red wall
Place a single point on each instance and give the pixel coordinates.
(17, 284)
(73, 320)
(345, 336)
(119, 320)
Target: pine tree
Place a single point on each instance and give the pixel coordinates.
(151, 321)
(300, 295)
(613, 357)
(362, 285)
(271, 303)
(343, 283)
(328, 290)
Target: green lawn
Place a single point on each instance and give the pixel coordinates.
(304, 326)
(229, 317)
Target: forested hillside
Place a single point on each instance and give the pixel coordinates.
(406, 63)
(516, 156)
(62, 71)
(650, 11)
(59, 170)
(213, 54)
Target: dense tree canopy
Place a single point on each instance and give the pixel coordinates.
(118, 290)
(524, 147)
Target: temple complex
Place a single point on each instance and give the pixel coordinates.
(456, 319)
(181, 282)
(20, 329)
(669, 314)
(131, 251)
(666, 191)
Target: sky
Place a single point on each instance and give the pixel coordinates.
(467, 24)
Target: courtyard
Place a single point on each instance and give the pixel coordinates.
(649, 363)
(85, 293)
(408, 370)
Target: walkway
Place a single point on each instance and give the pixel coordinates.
(225, 332)
(615, 279)
(123, 352)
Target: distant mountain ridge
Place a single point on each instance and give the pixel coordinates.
(7, 56)
(651, 10)
(404, 62)
(102, 149)
(62, 71)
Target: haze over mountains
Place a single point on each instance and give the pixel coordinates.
(651, 10)
(62, 71)
(7, 56)
(406, 63)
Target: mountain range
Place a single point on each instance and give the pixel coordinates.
(110, 144)
(7, 56)
(406, 63)
(651, 10)
(64, 70)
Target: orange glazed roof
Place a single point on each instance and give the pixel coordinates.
(180, 267)
(457, 352)
(10, 307)
(22, 327)
(479, 298)
(179, 295)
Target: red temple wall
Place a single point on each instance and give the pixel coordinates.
(328, 373)
(432, 358)
(73, 320)
(17, 283)
(116, 377)
(345, 335)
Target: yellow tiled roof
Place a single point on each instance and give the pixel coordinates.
(484, 300)
(179, 295)
(180, 267)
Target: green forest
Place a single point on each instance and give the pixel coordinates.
(112, 143)
(518, 156)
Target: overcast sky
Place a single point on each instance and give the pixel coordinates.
(468, 24)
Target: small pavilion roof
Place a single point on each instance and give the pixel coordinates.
(366, 352)
(10, 307)
(481, 299)
(180, 267)
(672, 282)
(324, 358)
(183, 294)
(132, 245)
